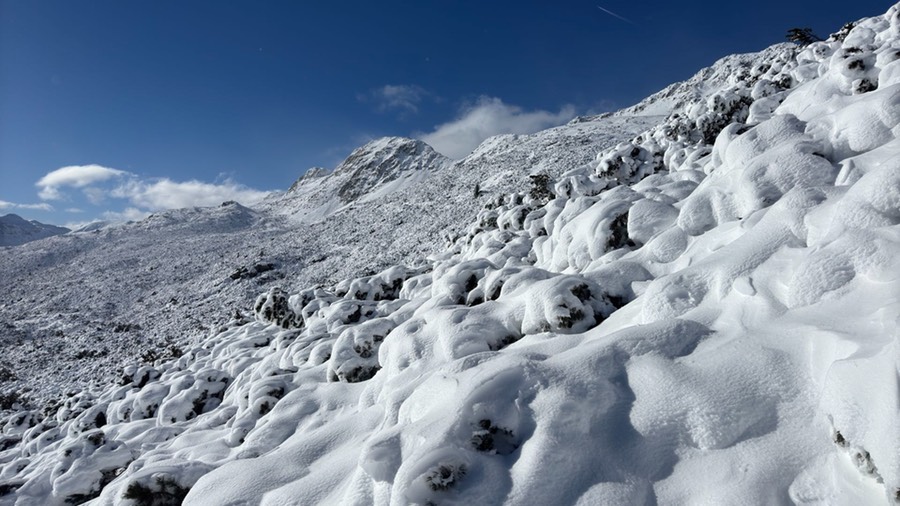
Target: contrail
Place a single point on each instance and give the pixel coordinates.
(611, 13)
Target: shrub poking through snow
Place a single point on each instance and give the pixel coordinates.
(566, 305)
(722, 110)
(86, 465)
(628, 162)
(193, 395)
(273, 307)
(12, 400)
(490, 438)
(541, 187)
(255, 270)
(444, 476)
(354, 357)
(459, 283)
(385, 285)
(503, 342)
(137, 376)
(163, 491)
(618, 233)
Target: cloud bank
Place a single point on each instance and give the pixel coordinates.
(164, 193)
(141, 196)
(77, 176)
(35, 207)
(487, 117)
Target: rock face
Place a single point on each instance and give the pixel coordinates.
(383, 161)
(372, 171)
(15, 230)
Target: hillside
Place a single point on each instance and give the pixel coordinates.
(82, 304)
(696, 301)
(15, 230)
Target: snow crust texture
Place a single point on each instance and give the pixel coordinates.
(705, 314)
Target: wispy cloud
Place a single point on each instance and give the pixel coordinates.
(613, 14)
(142, 196)
(487, 117)
(77, 176)
(43, 206)
(164, 193)
(402, 98)
(129, 214)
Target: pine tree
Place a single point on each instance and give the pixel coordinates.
(802, 36)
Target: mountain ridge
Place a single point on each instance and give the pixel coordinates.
(15, 230)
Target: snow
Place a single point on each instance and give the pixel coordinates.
(702, 311)
(15, 230)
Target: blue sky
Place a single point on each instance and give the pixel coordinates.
(112, 109)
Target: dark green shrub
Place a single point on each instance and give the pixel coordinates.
(802, 36)
(167, 492)
(541, 187)
(445, 476)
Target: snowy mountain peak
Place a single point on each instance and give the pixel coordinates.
(371, 172)
(309, 175)
(15, 230)
(384, 160)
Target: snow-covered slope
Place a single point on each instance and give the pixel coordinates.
(14, 230)
(372, 171)
(79, 306)
(706, 313)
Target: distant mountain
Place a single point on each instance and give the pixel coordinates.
(380, 167)
(15, 230)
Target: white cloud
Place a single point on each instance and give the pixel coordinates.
(129, 214)
(401, 97)
(77, 176)
(487, 117)
(75, 225)
(95, 195)
(40, 207)
(36, 207)
(99, 184)
(167, 194)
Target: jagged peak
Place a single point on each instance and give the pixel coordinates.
(384, 160)
(313, 173)
(385, 150)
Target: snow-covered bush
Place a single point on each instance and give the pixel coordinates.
(459, 283)
(564, 304)
(354, 356)
(273, 307)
